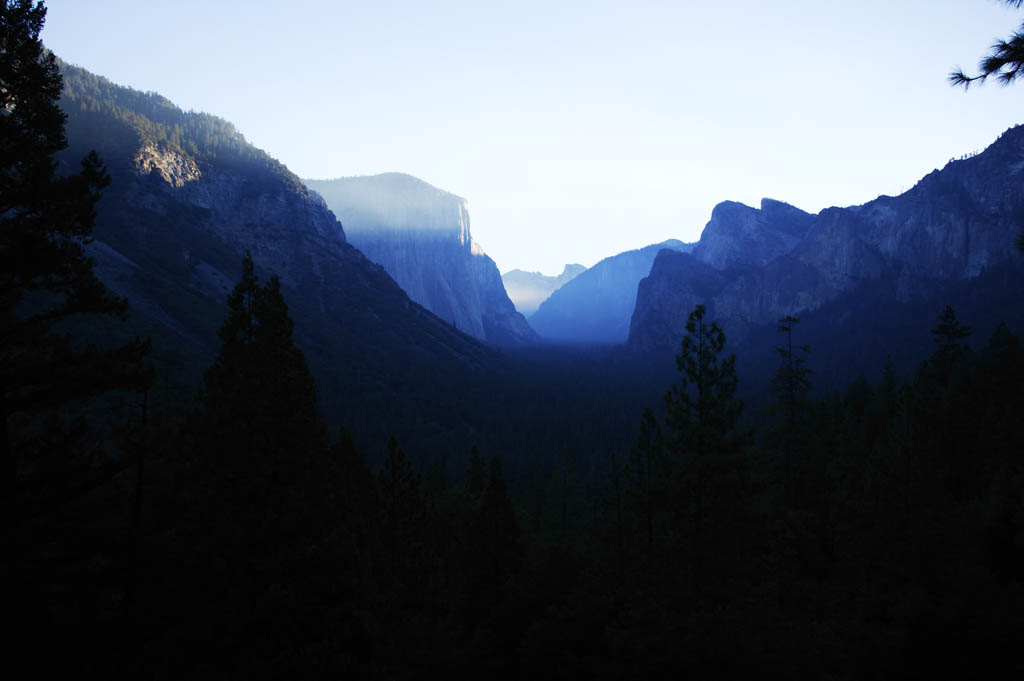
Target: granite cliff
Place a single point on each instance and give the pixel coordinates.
(952, 232)
(421, 236)
(189, 196)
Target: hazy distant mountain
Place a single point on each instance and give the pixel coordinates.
(421, 236)
(529, 289)
(189, 195)
(595, 307)
(860, 276)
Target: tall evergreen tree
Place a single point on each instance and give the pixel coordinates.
(495, 549)
(45, 222)
(492, 559)
(403, 513)
(702, 411)
(791, 382)
(476, 476)
(260, 398)
(791, 385)
(949, 333)
(647, 477)
(262, 514)
(702, 415)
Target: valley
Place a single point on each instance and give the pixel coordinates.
(265, 426)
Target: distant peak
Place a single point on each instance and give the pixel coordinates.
(572, 269)
(767, 203)
(773, 205)
(669, 243)
(730, 207)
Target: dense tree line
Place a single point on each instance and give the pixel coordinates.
(129, 119)
(870, 532)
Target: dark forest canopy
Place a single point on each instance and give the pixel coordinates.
(834, 528)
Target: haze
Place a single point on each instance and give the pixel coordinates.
(576, 130)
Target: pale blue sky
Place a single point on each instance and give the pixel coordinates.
(576, 129)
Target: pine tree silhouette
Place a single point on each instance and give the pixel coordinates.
(45, 223)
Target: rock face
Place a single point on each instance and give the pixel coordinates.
(752, 266)
(528, 290)
(189, 196)
(421, 236)
(595, 307)
(741, 236)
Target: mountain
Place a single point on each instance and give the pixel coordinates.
(595, 307)
(871, 272)
(529, 289)
(189, 196)
(741, 236)
(421, 236)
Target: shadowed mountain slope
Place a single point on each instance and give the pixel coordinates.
(421, 236)
(189, 196)
(878, 269)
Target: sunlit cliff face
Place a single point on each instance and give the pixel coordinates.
(421, 236)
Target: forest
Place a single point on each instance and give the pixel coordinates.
(873, 531)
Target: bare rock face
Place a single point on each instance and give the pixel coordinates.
(676, 284)
(741, 236)
(173, 168)
(421, 236)
(284, 227)
(528, 290)
(953, 226)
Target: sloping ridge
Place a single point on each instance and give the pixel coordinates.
(189, 196)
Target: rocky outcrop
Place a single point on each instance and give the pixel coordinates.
(595, 307)
(676, 284)
(173, 168)
(528, 290)
(953, 226)
(741, 236)
(188, 197)
(421, 236)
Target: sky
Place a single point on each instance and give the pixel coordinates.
(576, 130)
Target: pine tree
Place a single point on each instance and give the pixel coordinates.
(403, 513)
(260, 398)
(45, 223)
(476, 476)
(702, 415)
(702, 411)
(263, 513)
(647, 475)
(951, 352)
(791, 385)
(1005, 61)
(791, 382)
(949, 333)
(262, 464)
(492, 554)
